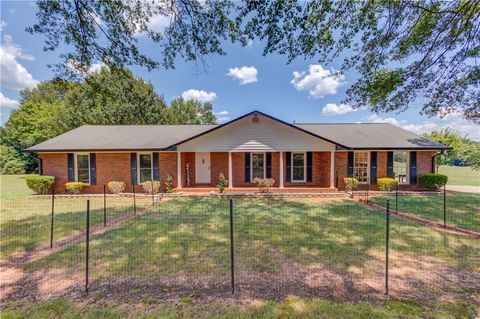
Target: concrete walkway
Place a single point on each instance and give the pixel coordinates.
(464, 189)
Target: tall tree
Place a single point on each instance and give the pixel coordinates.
(191, 112)
(406, 52)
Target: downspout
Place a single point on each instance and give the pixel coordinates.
(434, 157)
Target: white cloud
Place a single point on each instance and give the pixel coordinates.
(452, 120)
(318, 81)
(334, 109)
(3, 24)
(14, 75)
(199, 95)
(222, 116)
(7, 102)
(159, 22)
(245, 74)
(77, 68)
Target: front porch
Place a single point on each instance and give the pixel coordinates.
(292, 171)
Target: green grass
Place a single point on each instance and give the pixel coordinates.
(191, 236)
(25, 223)
(458, 175)
(291, 307)
(463, 209)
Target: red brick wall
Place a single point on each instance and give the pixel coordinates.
(341, 163)
(218, 164)
(381, 164)
(168, 166)
(320, 171)
(55, 165)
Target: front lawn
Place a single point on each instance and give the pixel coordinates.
(458, 175)
(463, 209)
(25, 223)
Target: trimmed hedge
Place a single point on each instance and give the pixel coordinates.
(147, 186)
(74, 187)
(433, 182)
(386, 183)
(351, 183)
(40, 184)
(116, 187)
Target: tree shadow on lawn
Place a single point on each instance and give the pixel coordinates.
(331, 249)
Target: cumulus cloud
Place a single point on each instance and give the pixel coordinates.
(7, 102)
(222, 116)
(245, 74)
(77, 68)
(199, 95)
(334, 109)
(14, 75)
(319, 82)
(452, 120)
(3, 24)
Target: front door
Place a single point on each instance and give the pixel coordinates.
(202, 168)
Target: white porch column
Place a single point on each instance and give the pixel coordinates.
(332, 169)
(281, 170)
(230, 170)
(179, 170)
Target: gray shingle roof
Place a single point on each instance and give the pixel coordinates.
(120, 137)
(158, 137)
(371, 136)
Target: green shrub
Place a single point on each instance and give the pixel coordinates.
(386, 183)
(264, 184)
(169, 184)
(10, 161)
(40, 184)
(351, 183)
(433, 181)
(74, 187)
(222, 183)
(151, 186)
(116, 187)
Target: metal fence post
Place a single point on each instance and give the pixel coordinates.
(52, 218)
(232, 261)
(87, 246)
(134, 200)
(387, 243)
(367, 194)
(396, 197)
(104, 205)
(153, 195)
(444, 206)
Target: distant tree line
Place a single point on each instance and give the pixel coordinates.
(110, 96)
(465, 152)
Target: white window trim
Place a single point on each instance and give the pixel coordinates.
(138, 165)
(264, 164)
(304, 168)
(75, 167)
(407, 169)
(368, 167)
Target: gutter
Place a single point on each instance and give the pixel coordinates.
(434, 160)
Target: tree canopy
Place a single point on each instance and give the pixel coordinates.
(406, 52)
(110, 96)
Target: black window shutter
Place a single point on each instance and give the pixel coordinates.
(93, 169)
(40, 166)
(133, 168)
(247, 167)
(413, 168)
(288, 159)
(155, 160)
(268, 162)
(390, 172)
(373, 167)
(309, 166)
(70, 164)
(350, 164)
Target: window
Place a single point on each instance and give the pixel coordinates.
(144, 167)
(400, 166)
(298, 167)
(360, 166)
(83, 168)
(258, 165)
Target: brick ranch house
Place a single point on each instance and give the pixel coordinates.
(306, 157)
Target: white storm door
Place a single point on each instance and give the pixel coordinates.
(202, 168)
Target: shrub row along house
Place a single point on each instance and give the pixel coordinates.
(299, 157)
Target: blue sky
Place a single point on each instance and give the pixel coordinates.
(241, 81)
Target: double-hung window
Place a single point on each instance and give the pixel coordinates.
(360, 166)
(258, 165)
(298, 167)
(145, 168)
(400, 166)
(82, 168)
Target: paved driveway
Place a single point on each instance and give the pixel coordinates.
(464, 189)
